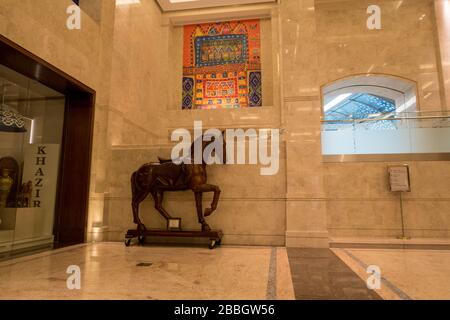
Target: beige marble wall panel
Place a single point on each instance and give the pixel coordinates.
(256, 222)
(357, 180)
(442, 10)
(137, 80)
(405, 46)
(135, 85)
(429, 184)
(299, 49)
(364, 218)
(42, 30)
(306, 218)
(430, 180)
(307, 215)
(427, 218)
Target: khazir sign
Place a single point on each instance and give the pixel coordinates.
(39, 175)
(41, 166)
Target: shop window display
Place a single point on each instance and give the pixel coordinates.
(31, 127)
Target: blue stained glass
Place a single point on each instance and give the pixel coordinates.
(362, 106)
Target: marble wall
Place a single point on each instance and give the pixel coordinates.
(442, 10)
(252, 207)
(358, 204)
(85, 54)
(325, 40)
(405, 46)
(131, 55)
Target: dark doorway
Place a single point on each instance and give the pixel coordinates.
(73, 185)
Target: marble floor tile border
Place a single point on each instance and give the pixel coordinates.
(400, 294)
(284, 284)
(390, 243)
(390, 246)
(272, 277)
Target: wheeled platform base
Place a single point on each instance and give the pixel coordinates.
(215, 237)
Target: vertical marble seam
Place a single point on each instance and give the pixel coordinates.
(272, 277)
(400, 293)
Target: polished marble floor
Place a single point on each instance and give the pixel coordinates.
(318, 274)
(113, 271)
(406, 274)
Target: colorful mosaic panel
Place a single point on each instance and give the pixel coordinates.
(225, 88)
(218, 50)
(255, 90)
(221, 91)
(222, 65)
(188, 92)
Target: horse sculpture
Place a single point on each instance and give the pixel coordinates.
(157, 178)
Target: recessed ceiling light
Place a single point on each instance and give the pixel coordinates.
(178, 1)
(125, 2)
(174, 5)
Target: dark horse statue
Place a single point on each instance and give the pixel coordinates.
(157, 178)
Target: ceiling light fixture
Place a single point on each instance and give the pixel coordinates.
(126, 2)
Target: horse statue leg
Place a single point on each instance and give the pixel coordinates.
(138, 195)
(210, 188)
(137, 199)
(158, 197)
(199, 204)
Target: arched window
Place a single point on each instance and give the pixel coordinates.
(361, 113)
(398, 91)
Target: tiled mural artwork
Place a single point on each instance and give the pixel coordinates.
(222, 65)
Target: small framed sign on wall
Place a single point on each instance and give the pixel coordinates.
(399, 179)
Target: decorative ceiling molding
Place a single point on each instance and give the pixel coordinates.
(178, 5)
(181, 18)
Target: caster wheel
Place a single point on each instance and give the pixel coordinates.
(219, 242)
(213, 244)
(141, 240)
(127, 242)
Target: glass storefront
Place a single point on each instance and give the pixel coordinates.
(31, 132)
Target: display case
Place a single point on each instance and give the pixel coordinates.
(31, 130)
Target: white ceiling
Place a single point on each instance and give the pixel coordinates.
(174, 5)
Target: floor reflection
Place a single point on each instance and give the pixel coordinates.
(112, 271)
(318, 274)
